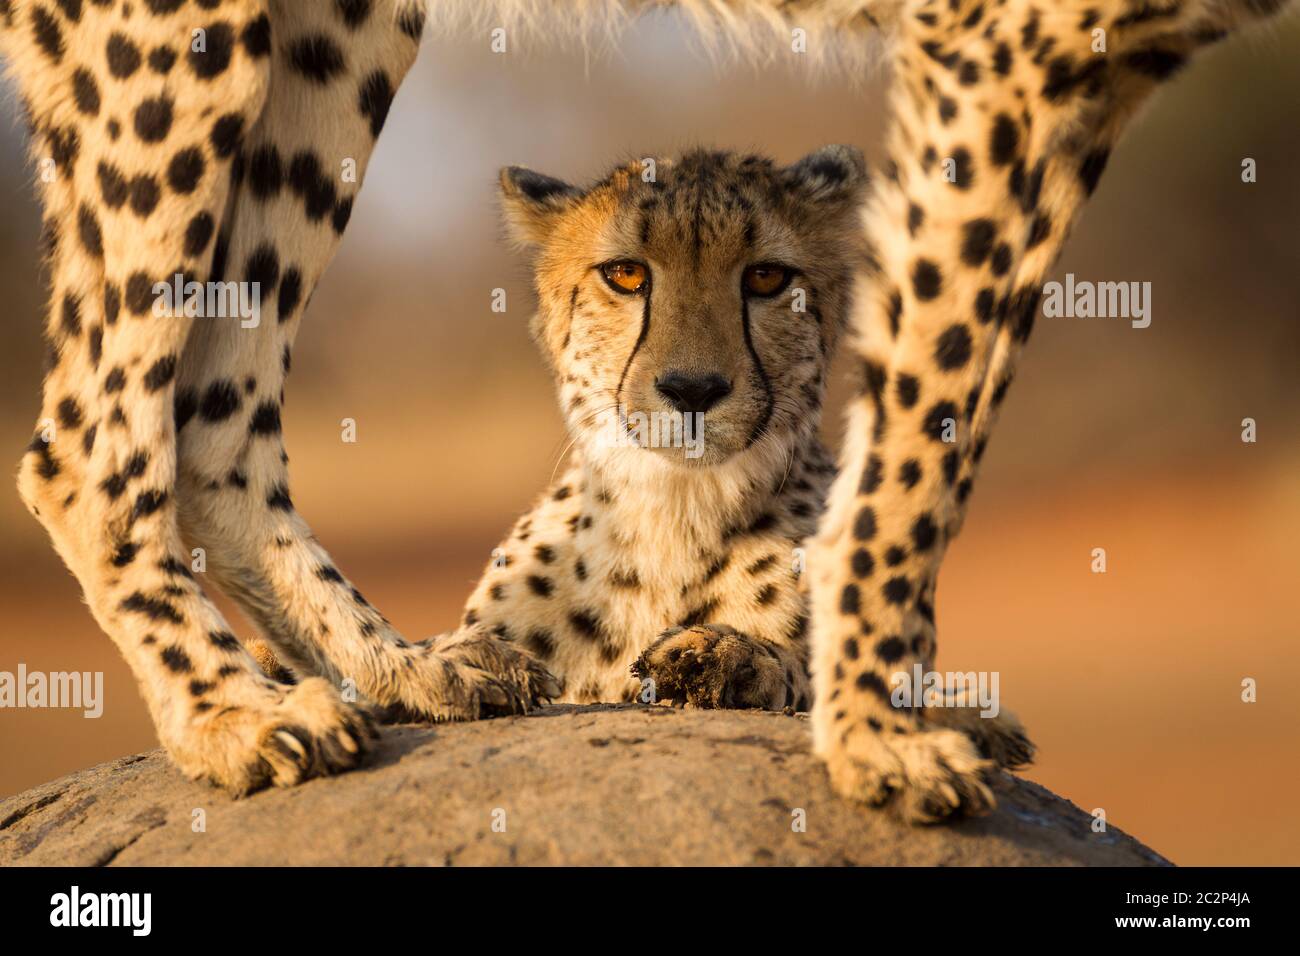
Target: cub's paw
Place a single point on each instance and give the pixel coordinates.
(469, 674)
(1002, 739)
(269, 734)
(713, 666)
(930, 775)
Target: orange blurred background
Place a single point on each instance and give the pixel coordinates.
(1112, 437)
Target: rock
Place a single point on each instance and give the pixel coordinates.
(604, 784)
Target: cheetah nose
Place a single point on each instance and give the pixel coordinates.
(692, 393)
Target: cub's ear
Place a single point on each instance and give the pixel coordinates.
(532, 203)
(832, 174)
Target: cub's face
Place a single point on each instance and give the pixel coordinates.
(689, 307)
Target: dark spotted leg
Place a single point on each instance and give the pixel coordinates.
(132, 177)
(334, 68)
(1003, 121)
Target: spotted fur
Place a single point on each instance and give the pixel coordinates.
(166, 432)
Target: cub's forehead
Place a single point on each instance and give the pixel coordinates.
(699, 205)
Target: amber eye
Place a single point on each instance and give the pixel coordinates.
(625, 276)
(766, 279)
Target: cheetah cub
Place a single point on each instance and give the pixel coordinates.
(689, 310)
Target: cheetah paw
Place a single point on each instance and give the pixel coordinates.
(1001, 739)
(284, 736)
(713, 666)
(469, 674)
(930, 775)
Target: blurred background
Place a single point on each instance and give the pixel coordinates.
(1112, 437)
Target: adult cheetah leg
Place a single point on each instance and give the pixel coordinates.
(1003, 120)
(333, 71)
(132, 178)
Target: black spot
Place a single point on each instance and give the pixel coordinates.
(115, 380)
(926, 281)
(585, 623)
(112, 185)
(139, 293)
(908, 389)
(915, 218)
(353, 12)
(153, 119)
(308, 181)
(213, 60)
(850, 599)
(870, 682)
(963, 168)
(147, 502)
(949, 466)
(177, 660)
(862, 563)
(264, 172)
(864, 526)
(185, 170)
(897, 590)
(342, 213)
(226, 134)
(290, 294)
(219, 401)
(279, 499)
(316, 57)
(184, 406)
(224, 640)
(895, 312)
(263, 268)
(924, 533)
(69, 413)
(1001, 259)
(936, 420)
(161, 7)
(1091, 168)
(977, 241)
(46, 31)
(1002, 59)
(266, 419)
(909, 473)
(256, 36)
(152, 608)
(539, 585)
(1156, 62)
(95, 344)
(411, 20)
(86, 92)
(92, 240)
(144, 194)
(375, 99)
(872, 475)
(198, 234)
(1039, 230)
(1003, 140)
(161, 60)
(125, 554)
(890, 650)
(953, 349)
(70, 317)
(1022, 310)
(160, 373)
(540, 642)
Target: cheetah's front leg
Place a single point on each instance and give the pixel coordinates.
(1002, 125)
(334, 69)
(137, 174)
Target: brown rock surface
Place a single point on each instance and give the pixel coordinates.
(605, 784)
